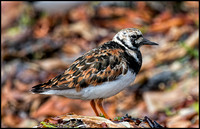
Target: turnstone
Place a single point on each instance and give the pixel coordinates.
(102, 72)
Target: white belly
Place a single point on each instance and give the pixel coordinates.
(105, 90)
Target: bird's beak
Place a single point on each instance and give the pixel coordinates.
(147, 42)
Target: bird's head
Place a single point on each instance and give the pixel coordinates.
(131, 38)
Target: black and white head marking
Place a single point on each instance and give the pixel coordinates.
(130, 38)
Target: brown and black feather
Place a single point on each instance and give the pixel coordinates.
(105, 63)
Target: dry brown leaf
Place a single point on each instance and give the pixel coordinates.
(42, 28)
(85, 29)
(57, 105)
(157, 101)
(53, 120)
(54, 106)
(164, 16)
(71, 49)
(80, 13)
(175, 52)
(166, 25)
(51, 64)
(27, 123)
(22, 87)
(106, 12)
(178, 123)
(120, 23)
(11, 120)
(10, 16)
(176, 32)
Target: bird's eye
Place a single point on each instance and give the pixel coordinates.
(133, 36)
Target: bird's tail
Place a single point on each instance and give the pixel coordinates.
(41, 87)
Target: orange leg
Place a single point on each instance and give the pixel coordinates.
(92, 103)
(99, 104)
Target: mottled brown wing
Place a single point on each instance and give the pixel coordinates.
(93, 68)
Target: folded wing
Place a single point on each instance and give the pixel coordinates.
(93, 68)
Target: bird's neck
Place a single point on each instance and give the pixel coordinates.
(134, 59)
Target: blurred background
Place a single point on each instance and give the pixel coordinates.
(39, 40)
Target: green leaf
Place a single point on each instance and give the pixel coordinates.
(48, 125)
(13, 31)
(118, 118)
(168, 112)
(191, 51)
(101, 115)
(196, 106)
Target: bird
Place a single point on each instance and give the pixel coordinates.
(101, 72)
